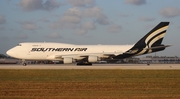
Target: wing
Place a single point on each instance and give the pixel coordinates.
(90, 57)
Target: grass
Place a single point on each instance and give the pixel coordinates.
(89, 84)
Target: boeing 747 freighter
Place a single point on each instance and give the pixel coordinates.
(87, 54)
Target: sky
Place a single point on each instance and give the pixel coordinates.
(107, 22)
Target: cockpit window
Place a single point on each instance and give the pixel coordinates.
(19, 45)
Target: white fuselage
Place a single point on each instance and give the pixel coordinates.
(57, 51)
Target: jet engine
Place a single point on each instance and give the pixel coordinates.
(92, 59)
(68, 60)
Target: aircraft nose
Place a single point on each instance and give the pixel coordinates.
(9, 52)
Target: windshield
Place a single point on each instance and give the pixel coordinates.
(19, 45)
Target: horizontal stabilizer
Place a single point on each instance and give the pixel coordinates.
(157, 47)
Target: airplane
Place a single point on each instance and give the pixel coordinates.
(87, 54)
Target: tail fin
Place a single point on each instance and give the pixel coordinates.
(151, 42)
(153, 38)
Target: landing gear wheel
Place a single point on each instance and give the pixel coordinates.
(24, 64)
(84, 63)
(89, 64)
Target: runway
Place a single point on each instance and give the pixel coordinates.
(94, 66)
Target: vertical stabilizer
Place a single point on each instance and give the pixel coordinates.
(154, 37)
(151, 42)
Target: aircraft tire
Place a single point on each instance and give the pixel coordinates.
(24, 64)
(83, 63)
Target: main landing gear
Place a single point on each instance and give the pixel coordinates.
(84, 63)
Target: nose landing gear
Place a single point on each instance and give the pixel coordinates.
(24, 62)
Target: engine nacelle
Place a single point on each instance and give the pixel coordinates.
(92, 59)
(68, 60)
